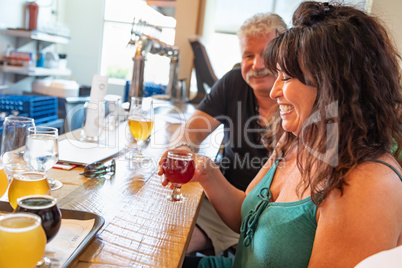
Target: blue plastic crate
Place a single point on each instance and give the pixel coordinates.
(154, 89)
(42, 109)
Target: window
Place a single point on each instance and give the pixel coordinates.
(117, 55)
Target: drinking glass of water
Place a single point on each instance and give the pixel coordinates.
(42, 151)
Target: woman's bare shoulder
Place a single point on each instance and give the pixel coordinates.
(372, 180)
(368, 209)
(382, 174)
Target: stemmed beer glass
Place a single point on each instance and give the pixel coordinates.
(45, 206)
(141, 122)
(3, 179)
(15, 131)
(27, 183)
(178, 169)
(23, 240)
(42, 151)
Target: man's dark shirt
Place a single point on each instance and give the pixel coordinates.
(232, 102)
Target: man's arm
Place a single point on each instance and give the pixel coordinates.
(196, 129)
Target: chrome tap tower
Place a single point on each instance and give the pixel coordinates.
(144, 38)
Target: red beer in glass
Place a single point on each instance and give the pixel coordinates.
(178, 169)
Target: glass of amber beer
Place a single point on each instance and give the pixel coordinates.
(23, 240)
(3, 179)
(178, 169)
(27, 183)
(140, 122)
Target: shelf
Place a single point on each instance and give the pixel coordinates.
(39, 37)
(35, 71)
(36, 35)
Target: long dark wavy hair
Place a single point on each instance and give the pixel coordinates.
(349, 57)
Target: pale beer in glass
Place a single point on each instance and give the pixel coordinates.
(3, 181)
(140, 122)
(140, 127)
(27, 183)
(22, 240)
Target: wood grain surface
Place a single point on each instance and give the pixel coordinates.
(142, 228)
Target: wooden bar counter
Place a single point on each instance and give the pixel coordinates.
(142, 228)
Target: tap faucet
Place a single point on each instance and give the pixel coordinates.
(144, 44)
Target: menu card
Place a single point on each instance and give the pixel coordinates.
(69, 237)
(96, 106)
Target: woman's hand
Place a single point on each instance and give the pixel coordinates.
(204, 167)
(163, 159)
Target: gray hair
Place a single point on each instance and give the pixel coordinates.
(262, 24)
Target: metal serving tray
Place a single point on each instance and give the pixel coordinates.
(76, 215)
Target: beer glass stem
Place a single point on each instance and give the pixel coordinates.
(176, 194)
(140, 143)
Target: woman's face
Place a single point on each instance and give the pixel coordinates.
(295, 101)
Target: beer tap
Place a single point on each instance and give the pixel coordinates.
(145, 43)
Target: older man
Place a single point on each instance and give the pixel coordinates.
(240, 101)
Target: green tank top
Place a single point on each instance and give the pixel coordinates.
(273, 234)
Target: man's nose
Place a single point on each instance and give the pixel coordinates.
(258, 63)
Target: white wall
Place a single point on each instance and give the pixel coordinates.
(224, 18)
(225, 46)
(187, 16)
(85, 19)
(390, 12)
(11, 13)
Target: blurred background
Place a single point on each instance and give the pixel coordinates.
(83, 38)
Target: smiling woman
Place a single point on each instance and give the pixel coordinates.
(335, 169)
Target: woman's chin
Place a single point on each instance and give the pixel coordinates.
(289, 128)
